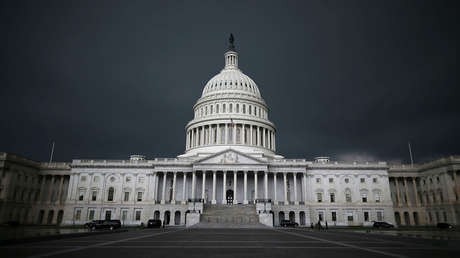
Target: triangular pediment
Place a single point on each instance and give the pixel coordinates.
(230, 156)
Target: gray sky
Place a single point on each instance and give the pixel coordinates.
(346, 79)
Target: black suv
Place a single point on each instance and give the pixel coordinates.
(444, 225)
(104, 224)
(154, 223)
(382, 224)
(288, 223)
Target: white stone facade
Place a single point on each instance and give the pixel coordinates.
(230, 157)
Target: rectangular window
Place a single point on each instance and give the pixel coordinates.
(331, 180)
(364, 198)
(319, 196)
(374, 180)
(363, 180)
(77, 215)
(379, 216)
(81, 195)
(332, 197)
(377, 197)
(366, 216)
(139, 196)
(124, 215)
(126, 198)
(91, 215)
(318, 180)
(94, 195)
(350, 217)
(334, 216)
(138, 215)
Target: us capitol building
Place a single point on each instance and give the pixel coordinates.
(230, 173)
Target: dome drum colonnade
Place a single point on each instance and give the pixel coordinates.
(230, 112)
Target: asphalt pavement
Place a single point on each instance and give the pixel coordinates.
(265, 242)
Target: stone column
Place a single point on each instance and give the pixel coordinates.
(61, 182)
(274, 188)
(184, 183)
(305, 188)
(173, 199)
(406, 188)
(193, 184)
(154, 187)
(235, 181)
(50, 193)
(457, 189)
(243, 134)
(234, 133)
(69, 189)
(414, 182)
(163, 191)
(209, 134)
(224, 185)
(285, 189)
(42, 188)
(263, 138)
(296, 202)
(255, 186)
(218, 133)
(274, 142)
(398, 194)
(203, 187)
(226, 133)
(245, 201)
(214, 187)
(266, 185)
(250, 134)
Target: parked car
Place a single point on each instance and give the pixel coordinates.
(444, 225)
(288, 223)
(382, 224)
(154, 223)
(104, 224)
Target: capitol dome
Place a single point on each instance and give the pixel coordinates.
(230, 113)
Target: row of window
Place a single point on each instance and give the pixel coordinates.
(234, 84)
(349, 216)
(347, 180)
(110, 195)
(348, 197)
(112, 179)
(231, 108)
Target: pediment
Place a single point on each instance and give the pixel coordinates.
(230, 157)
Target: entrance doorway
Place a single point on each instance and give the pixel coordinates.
(229, 196)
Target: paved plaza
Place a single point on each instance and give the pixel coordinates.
(196, 242)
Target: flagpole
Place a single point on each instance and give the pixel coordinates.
(51, 156)
(410, 153)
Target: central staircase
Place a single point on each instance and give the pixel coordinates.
(229, 216)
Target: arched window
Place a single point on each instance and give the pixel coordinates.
(250, 110)
(244, 109)
(364, 196)
(206, 110)
(110, 194)
(237, 108)
(211, 109)
(217, 108)
(223, 108)
(230, 108)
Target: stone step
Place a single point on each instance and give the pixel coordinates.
(237, 215)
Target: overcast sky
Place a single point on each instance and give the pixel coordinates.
(345, 79)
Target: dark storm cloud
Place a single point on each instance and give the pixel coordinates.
(348, 79)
